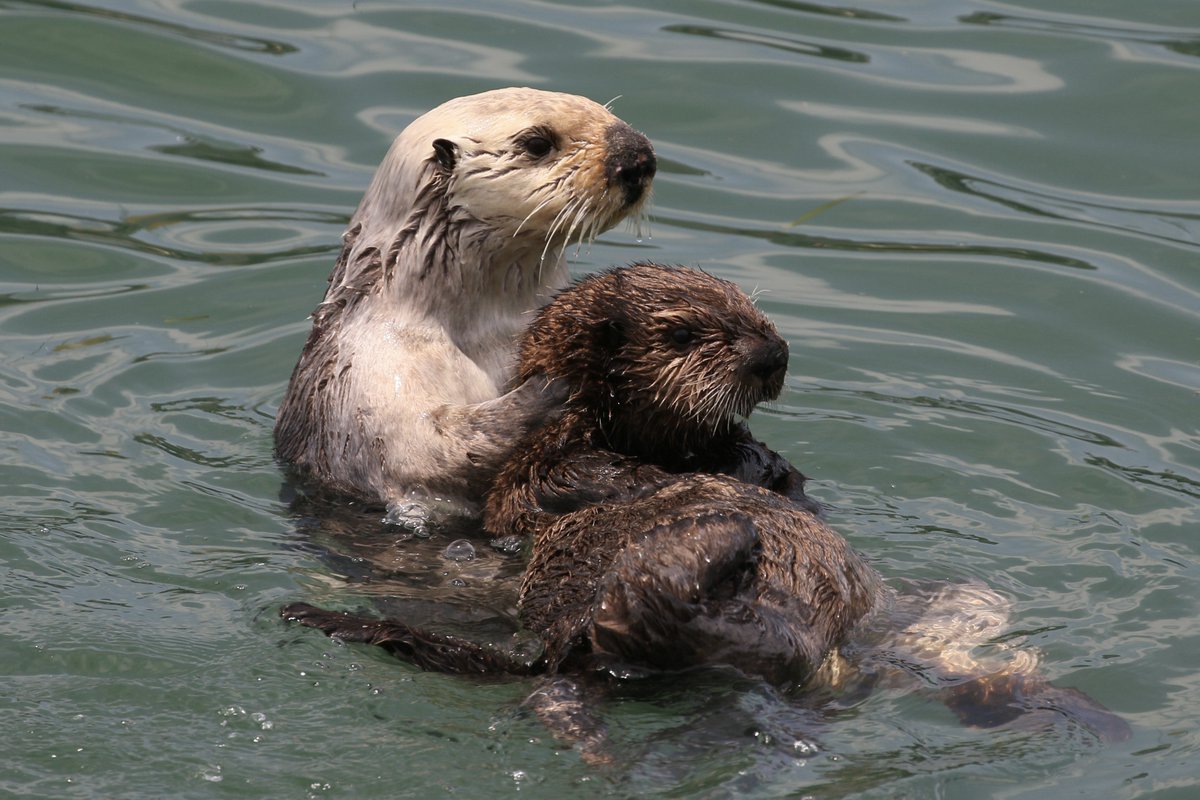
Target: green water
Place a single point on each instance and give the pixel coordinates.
(976, 223)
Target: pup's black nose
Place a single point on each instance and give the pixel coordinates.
(766, 366)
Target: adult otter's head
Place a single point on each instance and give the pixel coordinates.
(500, 180)
(656, 356)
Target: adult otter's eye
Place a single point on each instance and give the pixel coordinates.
(537, 146)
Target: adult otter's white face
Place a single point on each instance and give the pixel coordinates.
(568, 167)
(531, 168)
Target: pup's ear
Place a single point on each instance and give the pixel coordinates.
(612, 335)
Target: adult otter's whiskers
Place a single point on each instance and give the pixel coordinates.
(404, 384)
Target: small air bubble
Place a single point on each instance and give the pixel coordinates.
(459, 550)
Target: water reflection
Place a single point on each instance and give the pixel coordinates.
(774, 42)
(809, 241)
(1173, 38)
(130, 232)
(208, 36)
(1181, 227)
(845, 12)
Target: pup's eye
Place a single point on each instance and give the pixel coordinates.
(537, 146)
(682, 336)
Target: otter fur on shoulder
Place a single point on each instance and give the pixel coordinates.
(405, 381)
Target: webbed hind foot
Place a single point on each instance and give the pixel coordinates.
(1025, 701)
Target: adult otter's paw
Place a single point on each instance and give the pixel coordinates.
(541, 398)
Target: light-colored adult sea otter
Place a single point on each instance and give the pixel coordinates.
(404, 383)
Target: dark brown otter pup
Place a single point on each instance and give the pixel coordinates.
(638, 555)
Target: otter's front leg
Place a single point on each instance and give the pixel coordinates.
(483, 435)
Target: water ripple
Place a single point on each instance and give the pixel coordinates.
(844, 12)
(1177, 222)
(161, 234)
(1180, 41)
(229, 40)
(785, 44)
(904, 243)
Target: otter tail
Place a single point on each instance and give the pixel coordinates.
(430, 651)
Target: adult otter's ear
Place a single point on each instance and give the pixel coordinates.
(446, 153)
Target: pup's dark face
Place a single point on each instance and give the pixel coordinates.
(658, 356)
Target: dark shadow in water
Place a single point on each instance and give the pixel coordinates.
(774, 42)
(232, 41)
(195, 146)
(1128, 32)
(15, 298)
(1041, 204)
(206, 149)
(787, 238)
(844, 12)
(1190, 47)
(211, 405)
(1167, 481)
(187, 454)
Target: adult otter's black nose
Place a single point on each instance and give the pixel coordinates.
(766, 366)
(630, 163)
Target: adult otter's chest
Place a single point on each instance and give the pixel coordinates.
(394, 360)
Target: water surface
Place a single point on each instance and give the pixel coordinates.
(976, 223)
